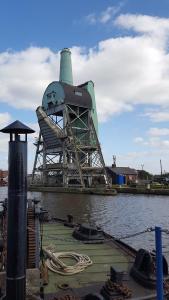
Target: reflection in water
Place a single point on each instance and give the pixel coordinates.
(62, 204)
(118, 215)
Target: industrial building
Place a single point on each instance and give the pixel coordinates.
(122, 175)
(3, 177)
(68, 152)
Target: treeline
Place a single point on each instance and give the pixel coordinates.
(144, 175)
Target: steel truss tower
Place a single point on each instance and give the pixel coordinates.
(68, 152)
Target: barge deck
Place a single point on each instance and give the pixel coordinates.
(104, 255)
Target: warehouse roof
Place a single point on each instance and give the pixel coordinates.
(122, 170)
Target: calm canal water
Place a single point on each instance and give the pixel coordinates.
(118, 215)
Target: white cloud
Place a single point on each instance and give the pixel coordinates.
(155, 146)
(5, 118)
(138, 140)
(4, 139)
(156, 26)
(157, 116)
(157, 132)
(158, 143)
(105, 16)
(154, 140)
(150, 160)
(24, 76)
(130, 70)
(109, 13)
(91, 18)
(126, 70)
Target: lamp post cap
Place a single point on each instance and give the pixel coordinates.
(17, 127)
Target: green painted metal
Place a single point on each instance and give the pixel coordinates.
(66, 67)
(103, 256)
(90, 88)
(53, 95)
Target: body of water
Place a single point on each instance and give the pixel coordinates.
(118, 215)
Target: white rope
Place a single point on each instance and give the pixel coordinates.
(55, 264)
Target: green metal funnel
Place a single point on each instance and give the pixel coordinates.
(66, 67)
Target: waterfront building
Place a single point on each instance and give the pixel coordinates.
(122, 175)
(3, 177)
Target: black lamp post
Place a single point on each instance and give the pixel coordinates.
(17, 211)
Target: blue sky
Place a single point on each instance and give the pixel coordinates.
(121, 45)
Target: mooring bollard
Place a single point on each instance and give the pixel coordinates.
(159, 263)
(17, 211)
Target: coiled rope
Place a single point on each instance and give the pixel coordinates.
(55, 264)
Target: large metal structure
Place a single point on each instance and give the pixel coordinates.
(68, 151)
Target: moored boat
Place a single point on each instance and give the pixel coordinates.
(114, 270)
(69, 261)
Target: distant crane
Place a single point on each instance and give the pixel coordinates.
(68, 152)
(114, 160)
(161, 167)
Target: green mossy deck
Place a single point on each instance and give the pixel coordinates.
(103, 256)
